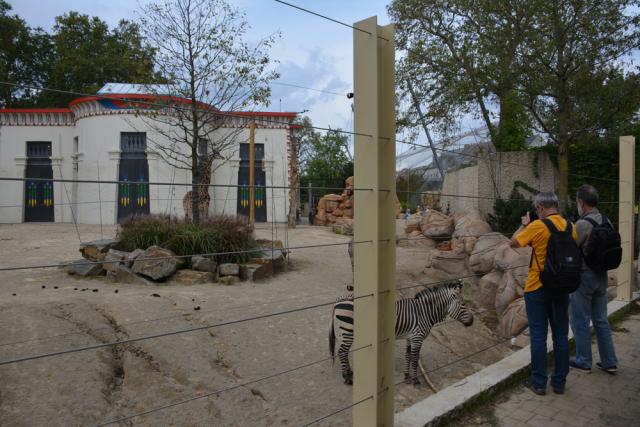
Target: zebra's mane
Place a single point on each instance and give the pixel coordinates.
(429, 292)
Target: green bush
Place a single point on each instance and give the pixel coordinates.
(215, 234)
(508, 214)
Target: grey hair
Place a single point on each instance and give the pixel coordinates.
(546, 200)
(588, 194)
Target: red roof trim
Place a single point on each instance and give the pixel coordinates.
(35, 110)
(262, 113)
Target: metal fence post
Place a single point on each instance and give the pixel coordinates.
(374, 123)
(626, 272)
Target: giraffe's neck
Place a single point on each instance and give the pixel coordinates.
(206, 177)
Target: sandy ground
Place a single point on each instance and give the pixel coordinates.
(97, 386)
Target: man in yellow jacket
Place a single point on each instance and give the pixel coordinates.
(543, 308)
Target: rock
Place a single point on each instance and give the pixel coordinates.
(487, 290)
(343, 226)
(124, 274)
(507, 257)
(192, 277)
(470, 224)
(258, 271)
(514, 319)
(85, 268)
(96, 249)
(133, 255)
(416, 238)
(229, 280)
(508, 291)
(114, 255)
(612, 278)
(413, 223)
(483, 256)
(200, 263)
(447, 265)
(612, 293)
(229, 269)
(436, 225)
(464, 244)
(162, 267)
(276, 257)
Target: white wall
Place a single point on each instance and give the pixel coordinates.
(99, 154)
(13, 160)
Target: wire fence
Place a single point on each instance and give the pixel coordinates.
(287, 248)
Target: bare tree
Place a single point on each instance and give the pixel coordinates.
(211, 74)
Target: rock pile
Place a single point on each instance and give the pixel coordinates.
(156, 264)
(464, 246)
(337, 210)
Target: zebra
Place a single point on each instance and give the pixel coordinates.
(413, 321)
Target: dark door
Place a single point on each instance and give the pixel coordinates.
(38, 195)
(260, 201)
(133, 194)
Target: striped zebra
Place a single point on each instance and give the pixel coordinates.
(414, 319)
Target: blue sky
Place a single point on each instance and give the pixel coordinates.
(312, 52)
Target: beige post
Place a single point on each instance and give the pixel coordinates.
(252, 178)
(374, 90)
(626, 200)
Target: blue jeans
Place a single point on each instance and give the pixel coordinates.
(589, 303)
(543, 309)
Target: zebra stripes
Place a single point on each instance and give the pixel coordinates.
(414, 319)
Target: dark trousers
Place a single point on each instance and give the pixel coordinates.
(543, 310)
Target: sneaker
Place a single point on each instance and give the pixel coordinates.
(575, 365)
(537, 390)
(611, 370)
(558, 390)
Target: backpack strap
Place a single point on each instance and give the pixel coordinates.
(593, 221)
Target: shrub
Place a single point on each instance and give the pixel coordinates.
(221, 233)
(507, 213)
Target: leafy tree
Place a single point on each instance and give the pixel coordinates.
(572, 50)
(324, 159)
(24, 57)
(86, 55)
(202, 56)
(462, 57)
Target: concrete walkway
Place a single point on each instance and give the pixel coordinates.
(591, 399)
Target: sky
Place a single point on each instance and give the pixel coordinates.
(311, 51)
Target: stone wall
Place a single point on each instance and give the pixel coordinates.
(479, 184)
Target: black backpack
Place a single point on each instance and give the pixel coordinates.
(563, 264)
(603, 249)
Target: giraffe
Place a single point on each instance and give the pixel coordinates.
(203, 194)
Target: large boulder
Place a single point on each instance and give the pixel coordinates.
(157, 263)
(85, 268)
(484, 252)
(514, 319)
(96, 249)
(257, 272)
(343, 226)
(470, 224)
(200, 263)
(464, 244)
(416, 238)
(229, 269)
(508, 291)
(507, 257)
(487, 289)
(436, 225)
(413, 223)
(446, 265)
(113, 258)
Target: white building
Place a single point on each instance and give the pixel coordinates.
(105, 138)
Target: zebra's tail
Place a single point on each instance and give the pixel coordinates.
(332, 338)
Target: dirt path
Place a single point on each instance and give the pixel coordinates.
(96, 386)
